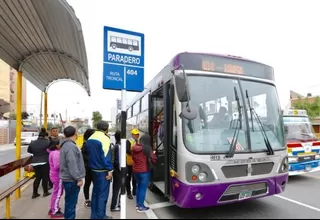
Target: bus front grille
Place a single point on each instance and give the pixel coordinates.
(233, 192)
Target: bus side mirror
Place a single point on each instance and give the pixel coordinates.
(181, 88)
(183, 94)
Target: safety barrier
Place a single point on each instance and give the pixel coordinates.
(8, 168)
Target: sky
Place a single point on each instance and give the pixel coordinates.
(283, 34)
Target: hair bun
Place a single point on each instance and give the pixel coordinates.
(43, 130)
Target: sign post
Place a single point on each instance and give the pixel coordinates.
(123, 69)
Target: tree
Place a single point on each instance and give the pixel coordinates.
(312, 108)
(12, 116)
(96, 117)
(24, 115)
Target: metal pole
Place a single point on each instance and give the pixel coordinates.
(41, 109)
(18, 128)
(45, 122)
(123, 197)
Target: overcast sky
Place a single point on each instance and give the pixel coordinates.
(283, 34)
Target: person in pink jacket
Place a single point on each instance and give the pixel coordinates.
(54, 161)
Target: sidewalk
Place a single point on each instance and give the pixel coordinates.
(27, 208)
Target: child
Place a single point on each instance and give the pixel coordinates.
(54, 161)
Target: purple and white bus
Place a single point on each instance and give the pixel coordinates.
(217, 129)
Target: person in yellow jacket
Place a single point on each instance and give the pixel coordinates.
(130, 177)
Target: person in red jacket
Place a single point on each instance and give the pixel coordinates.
(143, 158)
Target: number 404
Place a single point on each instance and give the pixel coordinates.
(132, 72)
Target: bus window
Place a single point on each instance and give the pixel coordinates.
(119, 40)
(113, 39)
(124, 41)
(129, 42)
(135, 43)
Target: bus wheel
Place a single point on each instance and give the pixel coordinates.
(114, 46)
(130, 48)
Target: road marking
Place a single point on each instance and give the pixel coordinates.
(160, 205)
(150, 213)
(298, 203)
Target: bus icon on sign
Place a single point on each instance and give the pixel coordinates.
(124, 43)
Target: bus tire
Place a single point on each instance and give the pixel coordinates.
(114, 46)
(130, 48)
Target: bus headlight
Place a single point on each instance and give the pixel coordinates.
(284, 165)
(195, 169)
(203, 177)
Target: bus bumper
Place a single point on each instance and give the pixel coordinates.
(303, 168)
(206, 195)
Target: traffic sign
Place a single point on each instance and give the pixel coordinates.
(123, 60)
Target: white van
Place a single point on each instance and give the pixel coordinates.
(27, 137)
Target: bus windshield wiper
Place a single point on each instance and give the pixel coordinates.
(263, 132)
(234, 141)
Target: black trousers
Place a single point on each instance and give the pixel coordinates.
(87, 183)
(129, 178)
(116, 186)
(42, 174)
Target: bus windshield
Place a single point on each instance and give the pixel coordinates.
(298, 128)
(212, 131)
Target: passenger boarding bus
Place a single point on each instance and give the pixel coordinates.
(207, 155)
(302, 142)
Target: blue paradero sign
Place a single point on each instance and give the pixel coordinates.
(123, 60)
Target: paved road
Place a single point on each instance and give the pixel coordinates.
(301, 199)
(7, 154)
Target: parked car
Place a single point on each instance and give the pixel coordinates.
(27, 137)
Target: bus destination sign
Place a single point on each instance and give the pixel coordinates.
(229, 65)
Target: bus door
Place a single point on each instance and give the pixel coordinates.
(160, 112)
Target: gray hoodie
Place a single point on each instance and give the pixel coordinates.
(71, 162)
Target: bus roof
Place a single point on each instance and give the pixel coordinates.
(295, 112)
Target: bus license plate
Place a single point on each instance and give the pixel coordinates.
(245, 195)
(308, 168)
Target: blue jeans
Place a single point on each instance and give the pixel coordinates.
(71, 199)
(100, 194)
(142, 180)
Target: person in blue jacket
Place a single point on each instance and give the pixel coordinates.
(100, 162)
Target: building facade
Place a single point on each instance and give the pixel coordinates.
(8, 88)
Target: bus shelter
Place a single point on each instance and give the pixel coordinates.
(43, 41)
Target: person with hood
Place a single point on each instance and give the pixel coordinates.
(54, 162)
(72, 171)
(100, 162)
(143, 159)
(88, 179)
(40, 163)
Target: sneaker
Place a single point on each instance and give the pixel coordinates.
(116, 209)
(50, 211)
(58, 214)
(142, 209)
(137, 207)
(35, 195)
(107, 217)
(46, 194)
(87, 204)
(130, 196)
